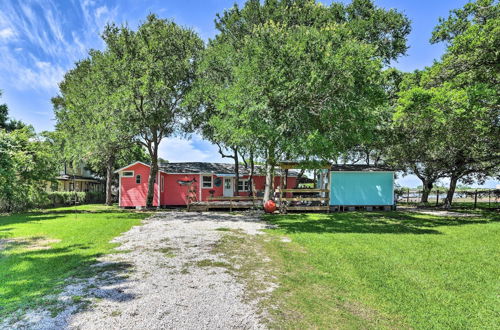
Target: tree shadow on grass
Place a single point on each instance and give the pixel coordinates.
(368, 223)
(53, 215)
(29, 278)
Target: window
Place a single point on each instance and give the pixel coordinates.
(243, 185)
(162, 184)
(206, 181)
(138, 178)
(128, 174)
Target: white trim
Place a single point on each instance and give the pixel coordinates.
(199, 187)
(211, 181)
(158, 183)
(224, 186)
(248, 185)
(128, 176)
(130, 165)
(393, 190)
(120, 190)
(123, 168)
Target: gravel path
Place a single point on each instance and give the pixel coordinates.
(164, 287)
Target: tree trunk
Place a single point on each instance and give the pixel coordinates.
(152, 174)
(451, 191)
(236, 172)
(268, 191)
(427, 187)
(109, 178)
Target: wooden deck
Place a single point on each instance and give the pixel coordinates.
(236, 202)
(311, 201)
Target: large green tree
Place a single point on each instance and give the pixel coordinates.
(298, 78)
(90, 117)
(452, 108)
(157, 63)
(6, 122)
(27, 163)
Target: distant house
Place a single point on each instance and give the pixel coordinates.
(177, 183)
(79, 178)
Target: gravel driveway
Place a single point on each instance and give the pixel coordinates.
(171, 280)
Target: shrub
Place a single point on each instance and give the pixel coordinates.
(69, 198)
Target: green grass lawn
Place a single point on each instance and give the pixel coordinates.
(392, 269)
(40, 250)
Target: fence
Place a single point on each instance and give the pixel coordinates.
(486, 198)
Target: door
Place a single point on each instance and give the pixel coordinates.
(228, 187)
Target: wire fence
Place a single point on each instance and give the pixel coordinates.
(476, 198)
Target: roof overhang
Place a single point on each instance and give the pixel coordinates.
(135, 163)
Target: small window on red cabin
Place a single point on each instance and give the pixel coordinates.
(128, 174)
(162, 184)
(138, 178)
(243, 185)
(207, 181)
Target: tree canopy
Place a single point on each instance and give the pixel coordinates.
(298, 78)
(449, 112)
(156, 65)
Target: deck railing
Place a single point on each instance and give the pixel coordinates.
(283, 200)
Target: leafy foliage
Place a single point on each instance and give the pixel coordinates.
(297, 78)
(26, 164)
(449, 113)
(5, 122)
(156, 65)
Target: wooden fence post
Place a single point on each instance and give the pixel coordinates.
(437, 198)
(408, 196)
(489, 198)
(475, 199)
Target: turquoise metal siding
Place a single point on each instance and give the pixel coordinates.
(362, 188)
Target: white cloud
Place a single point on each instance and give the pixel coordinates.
(7, 33)
(39, 28)
(28, 72)
(184, 150)
(101, 11)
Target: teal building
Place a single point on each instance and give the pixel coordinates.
(361, 185)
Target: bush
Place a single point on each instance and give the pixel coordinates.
(34, 198)
(69, 198)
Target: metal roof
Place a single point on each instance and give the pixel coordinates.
(215, 168)
(360, 168)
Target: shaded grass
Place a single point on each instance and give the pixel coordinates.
(28, 276)
(386, 269)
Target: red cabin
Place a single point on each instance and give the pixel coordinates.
(178, 183)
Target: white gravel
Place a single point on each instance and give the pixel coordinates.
(162, 287)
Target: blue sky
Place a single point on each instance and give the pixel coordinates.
(40, 40)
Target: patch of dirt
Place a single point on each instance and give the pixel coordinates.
(360, 311)
(444, 213)
(28, 243)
